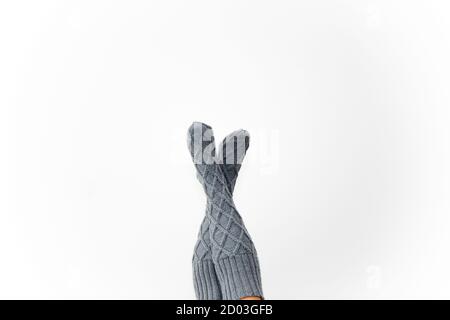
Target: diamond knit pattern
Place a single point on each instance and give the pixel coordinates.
(223, 239)
(227, 232)
(202, 248)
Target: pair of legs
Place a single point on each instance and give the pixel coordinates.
(225, 261)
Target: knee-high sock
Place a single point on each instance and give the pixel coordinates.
(232, 250)
(231, 153)
(206, 283)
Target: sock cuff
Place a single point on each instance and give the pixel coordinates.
(206, 284)
(239, 276)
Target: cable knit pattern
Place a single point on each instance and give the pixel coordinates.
(223, 239)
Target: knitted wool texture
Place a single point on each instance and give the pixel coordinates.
(225, 262)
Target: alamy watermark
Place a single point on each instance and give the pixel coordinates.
(264, 151)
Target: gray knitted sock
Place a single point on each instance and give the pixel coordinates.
(206, 283)
(232, 250)
(231, 152)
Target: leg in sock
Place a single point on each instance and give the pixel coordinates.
(206, 284)
(233, 253)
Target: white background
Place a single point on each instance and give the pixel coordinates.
(346, 186)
